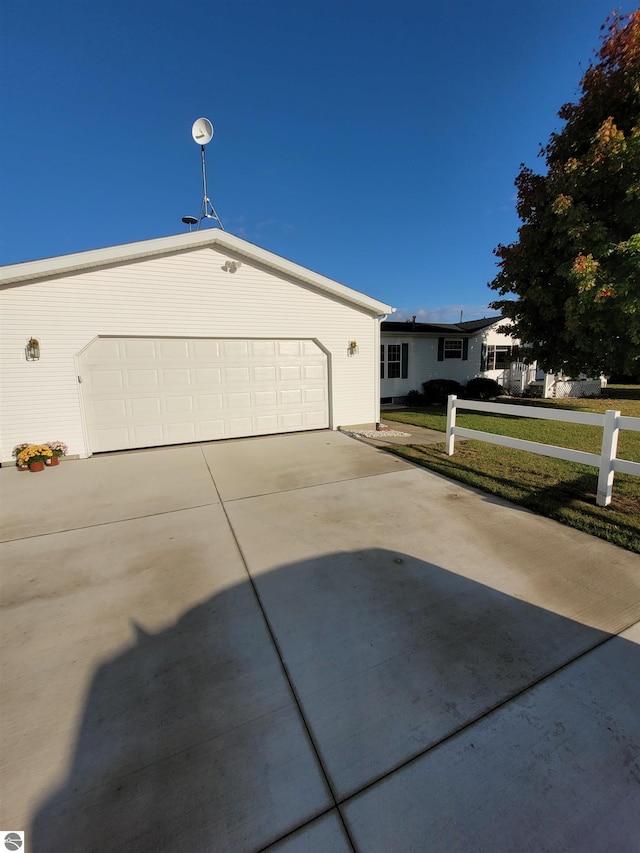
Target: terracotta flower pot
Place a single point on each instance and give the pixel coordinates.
(36, 466)
(53, 461)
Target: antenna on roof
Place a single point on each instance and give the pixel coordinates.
(202, 133)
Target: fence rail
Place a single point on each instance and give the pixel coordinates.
(606, 461)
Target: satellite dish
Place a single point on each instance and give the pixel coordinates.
(202, 131)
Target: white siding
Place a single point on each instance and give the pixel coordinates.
(182, 295)
(424, 365)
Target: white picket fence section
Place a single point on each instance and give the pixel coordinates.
(606, 461)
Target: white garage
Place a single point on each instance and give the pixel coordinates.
(190, 338)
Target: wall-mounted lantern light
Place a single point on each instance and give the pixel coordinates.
(32, 349)
(353, 347)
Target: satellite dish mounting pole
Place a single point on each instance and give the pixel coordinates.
(202, 133)
(203, 209)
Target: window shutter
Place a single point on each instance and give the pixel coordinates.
(440, 349)
(381, 361)
(465, 349)
(483, 358)
(405, 361)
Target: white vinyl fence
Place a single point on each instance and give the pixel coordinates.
(606, 462)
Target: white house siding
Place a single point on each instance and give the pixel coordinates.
(424, 365)
(186, 294)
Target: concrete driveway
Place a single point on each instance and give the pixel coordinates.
(302, 641)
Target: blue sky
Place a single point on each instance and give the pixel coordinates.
(374, 142)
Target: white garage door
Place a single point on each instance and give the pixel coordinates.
(143, 392)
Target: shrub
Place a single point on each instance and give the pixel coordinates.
(436, 391)
(481, 388)
(414, 398)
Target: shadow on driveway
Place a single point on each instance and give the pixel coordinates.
(381, 687)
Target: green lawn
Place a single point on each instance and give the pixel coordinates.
(561, 490)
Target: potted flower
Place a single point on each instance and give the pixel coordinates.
(58, 449)
(17, 450)
(35, 456)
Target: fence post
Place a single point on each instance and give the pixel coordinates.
(451, 422)
(547, 386)
(607, 457)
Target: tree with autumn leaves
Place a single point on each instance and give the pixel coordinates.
(575, 267)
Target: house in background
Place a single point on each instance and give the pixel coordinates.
(412, 353)
(193, 337)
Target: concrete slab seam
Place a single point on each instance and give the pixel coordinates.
(507, 701)
(108, 523)
(316, 485)
(287, 676)
(302, 826)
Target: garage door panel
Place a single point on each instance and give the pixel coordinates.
(146, 392)
(239, 426)
(172, 348)
(263, 349)
(110, 410)
(145, 435)
(108, 380)
(206, 376)
(176, 377)
(267, 424)
(180, 433)
(205, 349)
(178, 405)
(289, 348)
(314, 371)
(309, 348)
(142, 379)
(264, 374)
(106, 348)
(290, 373)
(291, 398)
(291, 422)
(116, 437)
(315, 420)
(235, 375)
(265, 398)
(234, 349)
(209, 403)
(237, 401)
(145, 407)
(210, 430)
(137, 348)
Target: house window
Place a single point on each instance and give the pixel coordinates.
(393, 361)
(501, 357)
(397, 361)
(453, 347)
